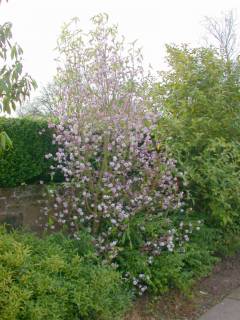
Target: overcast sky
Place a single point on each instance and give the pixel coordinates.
(37, 23)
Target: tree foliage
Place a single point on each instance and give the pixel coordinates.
(200, 94)
(15, 86)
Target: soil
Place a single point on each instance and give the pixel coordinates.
(205, 294)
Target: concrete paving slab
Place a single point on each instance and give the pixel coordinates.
(228, 309)
(235, 294)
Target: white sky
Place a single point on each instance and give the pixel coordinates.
(37, 23)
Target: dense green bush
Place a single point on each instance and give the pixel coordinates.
(200, 95)
(218, 178)
(55, 278)
(25, 162)
(158, 273)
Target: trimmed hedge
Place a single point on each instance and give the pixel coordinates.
(25, 162)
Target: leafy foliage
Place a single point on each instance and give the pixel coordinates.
(5, 142)
(145, 267)
(52, 278)
(14, 87)
(200, 95)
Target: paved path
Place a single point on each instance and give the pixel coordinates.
(228, 309)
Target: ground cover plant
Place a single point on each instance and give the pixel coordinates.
(56, 278)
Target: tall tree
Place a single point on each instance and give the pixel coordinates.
(42, 105)
(224, 31)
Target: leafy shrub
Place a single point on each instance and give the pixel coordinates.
(25, 162)
(218, 178)
(54, 278)
(149, 265)
(200, 96)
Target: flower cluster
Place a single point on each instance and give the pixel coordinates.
(139, 282)
(175, 237)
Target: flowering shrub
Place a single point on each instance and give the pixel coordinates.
(112, 172)
(151, 241)
(114, 169)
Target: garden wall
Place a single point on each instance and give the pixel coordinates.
(21, 206)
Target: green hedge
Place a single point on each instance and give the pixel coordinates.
(25, 162)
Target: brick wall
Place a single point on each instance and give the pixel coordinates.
(21, 206)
